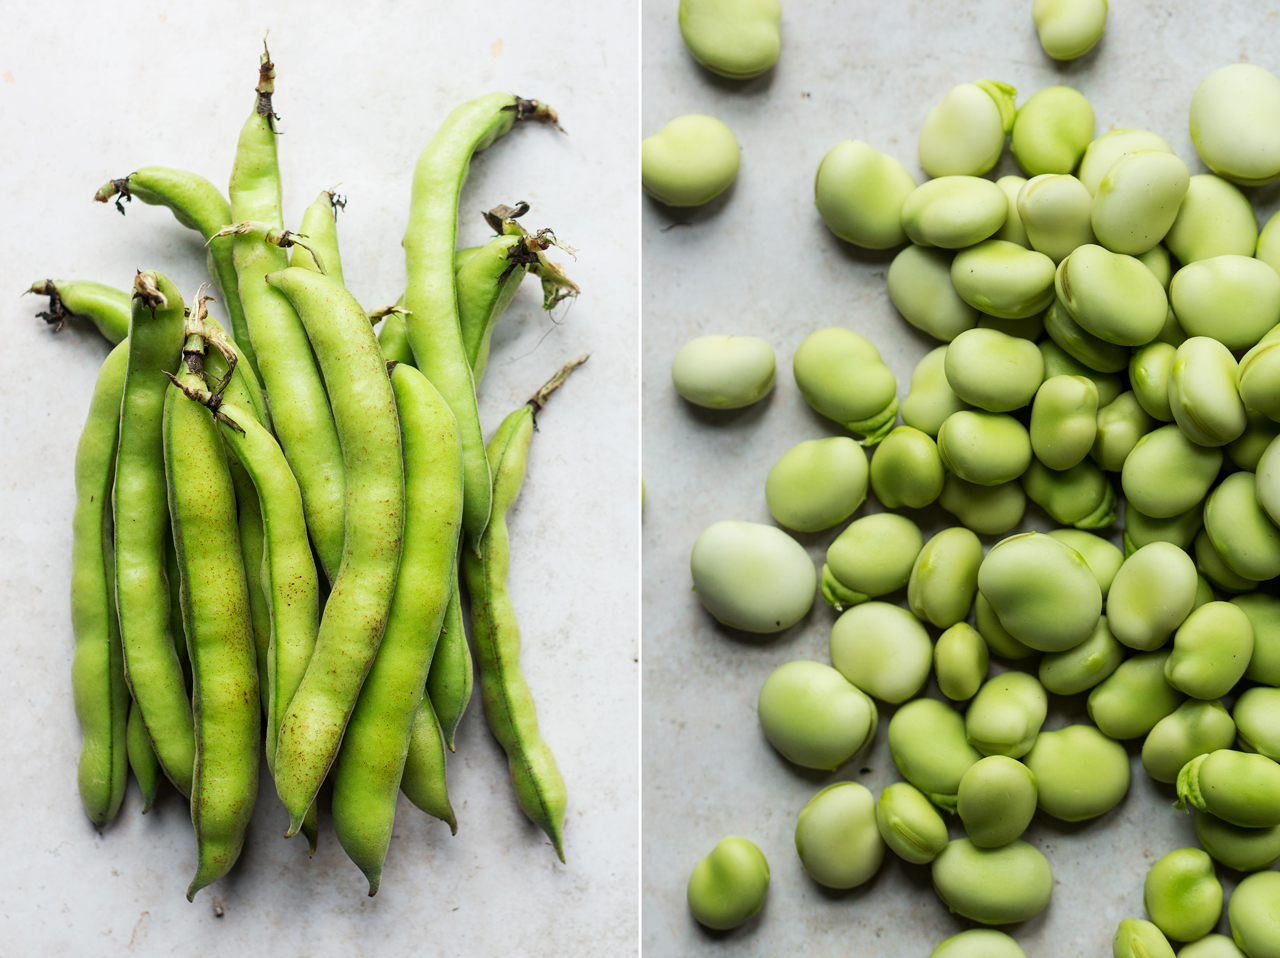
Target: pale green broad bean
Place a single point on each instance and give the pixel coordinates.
(993, 371)
(1257, 718)
(1080, 772)
(1149, 374)
(1203, 396)
(1167, 474)
(690, 161)
(1081, 344)
(1136, 938)
(986, 448)
(1212, 946)
(993, 886)
(724, 372)
(1244, 849)
(859, 192)
(728, 886)
(1235, 123)
(752, 577)
(930, 400)
(1242, 788)
(944, 578)
(1258, 378)
(1231, 298)
(910, 824)
(906, 469)
(997, 801)
(1080, 496)
(1103, 152)
(997, 637)
(921, 290)
(1137, 200)
(960, 661)
(1042, 591)
(1182, 894)
(738, 39)
(1013, 231)
(1141, 530)
(812, 715)
(873, 556)
(1069, 28)
(1057, 362)
(837, 838)
(1080, 669)
(1214, 567)
(989, 510)
(1004, 279)
(1005, 716)
(1120, 426)
(1052, 130)
(1112, 295)
(1054, 209)
(1151, 595)
(979, 943)
(1104, 559)
(1240, 530)
(1246, 450)
(843, 377)
(818, 483)
(1130, 702)
(1215, 219)
(964, 134)
(883, 650)
(1264, 615)
(928, 745)
(954, 211)
(1254, 914)
(1194, 728)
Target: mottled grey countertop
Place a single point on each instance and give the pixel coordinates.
(758, 261)
(88, 95)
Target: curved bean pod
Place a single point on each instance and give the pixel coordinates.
(320, 228)
(97, 667)
(371, 761)
(104, 306)
(508, 703)
(355, 614)
(430, 296)
(393, 340)
(142, 757)
(452, 676)
(423, 782)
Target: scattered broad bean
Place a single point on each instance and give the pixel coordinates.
(1137, 200)
(1167, 474)
(859, 192)
(1242, 788)
(690, 161)
(724, 372)
(1080, 496)
(994, 886)
(843, 377)
(909, 824)
(1080, 669)
(1054, 210)
(883, 650)
(944, 578)
(1112, 295)
(1257, 718)
(1235, 123)
(752, 577)
(1042, 591)
(930, 398)
(1004, 279)
(906, 470)
(872, 556)
(987, 448)
(728, 886)
(1244, 849)
(1120, 426)
(964, 134)
(1151, 595)
(993, 371)
(928, 745)
(960, 661)
(954, 211)
(921, 289)
(1052, 130)
(979, 943)
(1254, 913)
(1069, 28)
(1129, 702)
(989, 510)
(1194, 728)
(818, 483)
(837, 838)
(738, 39)
(997, 801)
(813, 716)
(1264, 615)
(1080, 772)
(1215, 219)
(1102, 153)
(1136, 938)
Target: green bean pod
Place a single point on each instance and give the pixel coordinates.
(320, 227)
(300, 409)
(97, 667)
(355, 614)
(215, 613)
(486, 284)
(104, 306)
(452, 675)
(508, 702)
(393, 340)
(435, 332)
(142, 758)
(372, 758)
(423, 781)
(152, 667)
(198, 205)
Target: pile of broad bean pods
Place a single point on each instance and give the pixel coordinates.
(267, 542)
(1110, 325)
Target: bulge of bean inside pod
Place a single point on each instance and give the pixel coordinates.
(1080, 496)
(843, 377)
(1052, 130)
(997, 801)
(1151, 595)
(906, 469)
(1242, 788)
(1257, 718)
(986, 448)
(930, 398)
(954, 211)
(728, 886)
(1080, 772)
(1195, 728)
(993, 371)
(1104, 559)
(994, 886)
(859, 192)
(945, 577)
(1064, 421)
(837, 838)
(921, 290)
(752, 577)
(1054, 210)
(1211, 650)
(724, 372)
(1081, 344)
(872, 557)
(1203, 396)
(1003, 279)
(1042, 591)
(813, 716)
(1182, 895)
(1103, 152)
(1168, 474)
(1005, 716)
(960, 661)
(1231, 298)
(1264, 615)
(1244, 849)
(1069, 28)
(1141, 530)
(1235, 123)
(989, 510)
(909, 824)
(1136, 938)
(928, 745)
(690, 161)
(979, 943)
(817, 484)
(964, 134)
(738, 39)
(1215, 219)
(1240, 530)
(1112, 295)
(1137, 200)
(1129, 702)
(883, 650)
(1012, 231)
(1149, 374)
(1120, 426)
(1079, 669)
(1254, 913)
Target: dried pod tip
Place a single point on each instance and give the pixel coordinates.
(147, 289)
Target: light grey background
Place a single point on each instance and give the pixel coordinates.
(759, 261)
(90, 93)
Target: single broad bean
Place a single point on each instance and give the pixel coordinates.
(883, 650)
(1069, 28)
(1254, 914)
(1052, 130)
(1149, 373)
(930, 398)
(906, 469)
(1112, 295)
(1080, 496)
(1212, 946)
(1244, 849)
(1195, 728)
(989, 510)
(752, 577)
(1042, 590)
(1242, 788)
(944, 578)
(1215, 219)
(993, 886)
(1235, 123)
(1264, 615)
(837, 838)
(1137, 200)
(690, 161)
(859, 193)
(993, 371)
(843, 377)
(910, 824)
(1120, 425)
(921, 289)
(1151, 595)
(978, 943)
(1258, 378)
(1081, 344)
(873, 556)
(1240, 530)
(1136, 938)
(928, 745)
(812, 715)
(1005, 716)
(954, 211)
(1102, 153)
(986, 448)
(1257, 718)
(1080, 669)
(997, 801)
(738, 39)
(1003, 279)
(1168, 474)
(964, 134)
(1129, 702)
(1054, 209)
(1080, 773)
(724, 372)
(960, 661)
(1231, 298)
(728, 886)
(818, 483)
